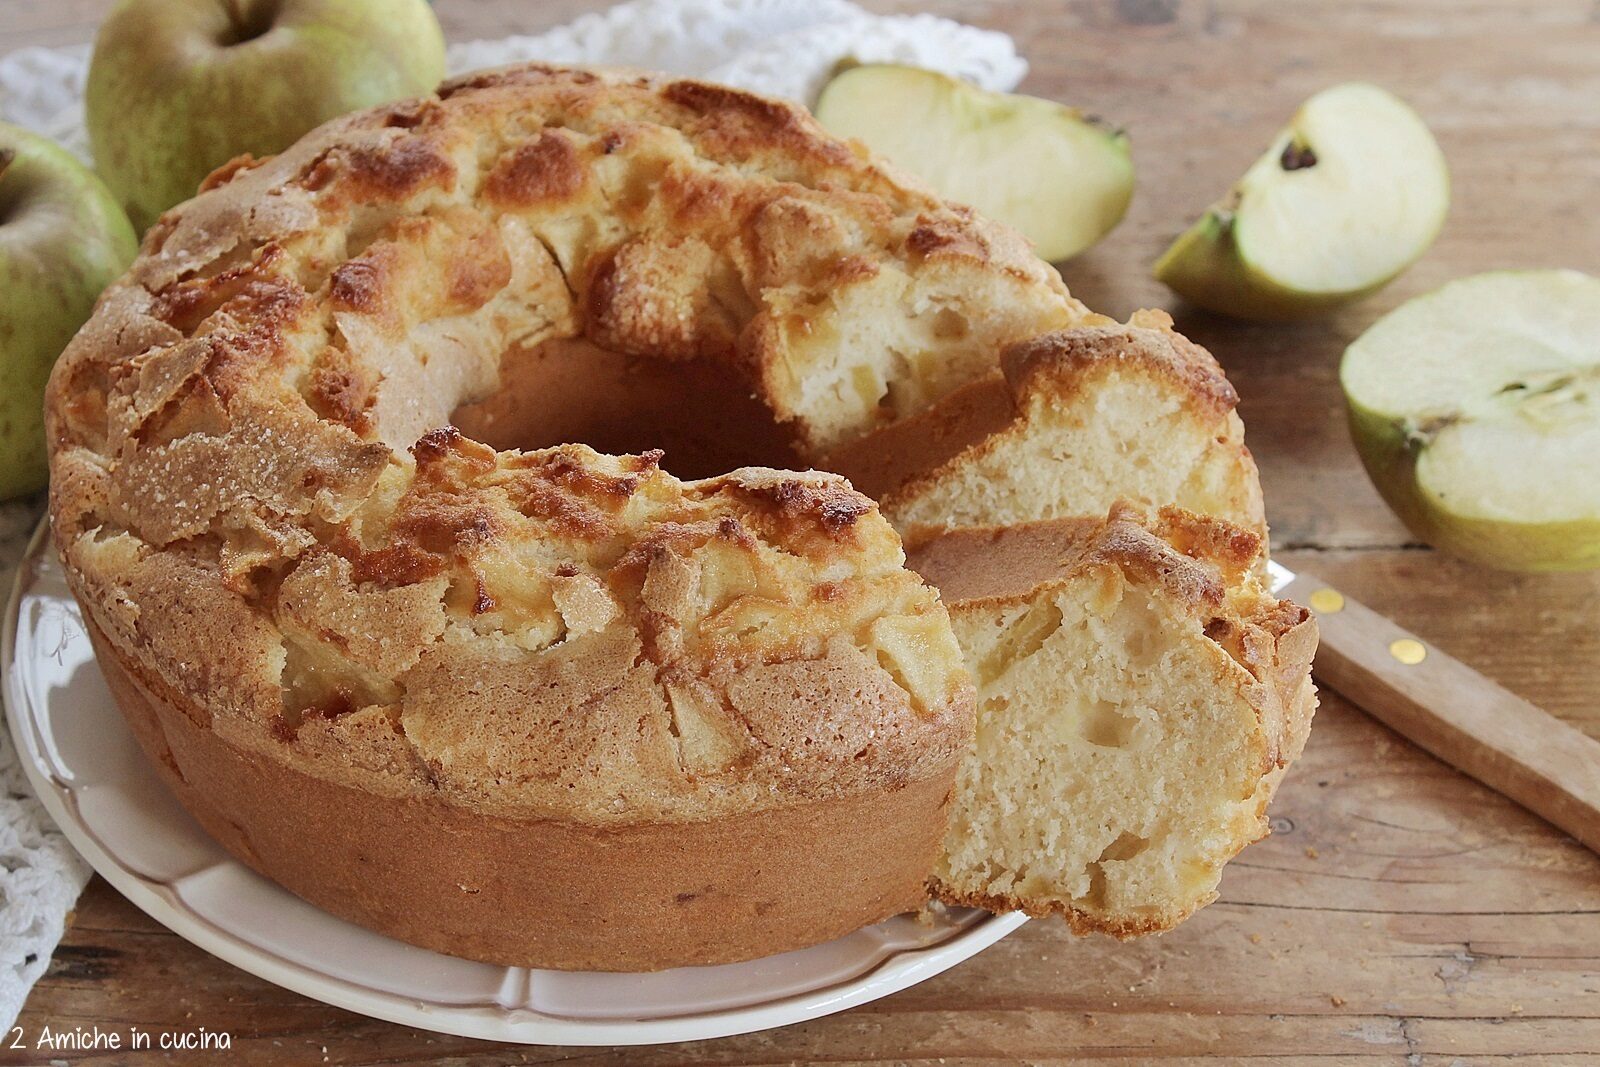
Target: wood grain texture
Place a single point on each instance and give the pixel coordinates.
(1439, 703)
(1401, 913)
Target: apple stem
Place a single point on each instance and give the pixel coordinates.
(236, 17)
(7, 201)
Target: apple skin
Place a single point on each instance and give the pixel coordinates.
(170, 99)
(1210, 265)
(1503, 309)
(63, 238)
(1205, 267)
(1078, 171)
(1390, 458)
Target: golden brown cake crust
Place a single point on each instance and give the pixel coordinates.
(569, 896)
(262, 507)
(346, 629)
(1149, 338)
(258, 498)
(1195, 557)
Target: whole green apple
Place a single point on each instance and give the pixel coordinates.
(179, 87)
(62, 240)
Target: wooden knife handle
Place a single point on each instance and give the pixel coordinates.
(1454, 712)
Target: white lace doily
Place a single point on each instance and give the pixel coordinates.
(783, 47)
(40, 875)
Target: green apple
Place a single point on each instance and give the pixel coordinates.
(62, 239)
(1476, 410)
(1059, 176)
(179, 87)
(1347, 197)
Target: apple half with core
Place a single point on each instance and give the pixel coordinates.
(62, 240)
(1059, 176)
(179, 87)
(1476, 410)
(1350, 194)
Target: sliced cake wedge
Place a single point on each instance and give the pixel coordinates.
(1140, 694)
(1074, 420)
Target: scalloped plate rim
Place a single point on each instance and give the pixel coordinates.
(899, 969)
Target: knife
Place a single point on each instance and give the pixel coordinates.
(1451, 710)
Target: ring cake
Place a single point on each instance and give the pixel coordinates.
(361, 477)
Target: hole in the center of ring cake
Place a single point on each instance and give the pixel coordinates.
(570, 391)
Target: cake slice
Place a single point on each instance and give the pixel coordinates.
(1139, 696)
(1075, 420)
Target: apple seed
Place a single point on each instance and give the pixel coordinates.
(1297, 157)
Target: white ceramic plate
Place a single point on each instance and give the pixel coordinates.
(94, 781)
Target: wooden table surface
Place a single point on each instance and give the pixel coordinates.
(1400, 913)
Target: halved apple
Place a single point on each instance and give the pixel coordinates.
(1347, 197)
(1476, 410)
(1059, 176)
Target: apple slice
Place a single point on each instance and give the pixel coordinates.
(1347, 197)
(1476, 410)
(1059, 176)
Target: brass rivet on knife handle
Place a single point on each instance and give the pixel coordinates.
(1451, 710)
(1408, 651)
(1327, 601)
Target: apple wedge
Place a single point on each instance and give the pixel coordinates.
(1476, 410)
(1060, 177)
(1347, 197)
